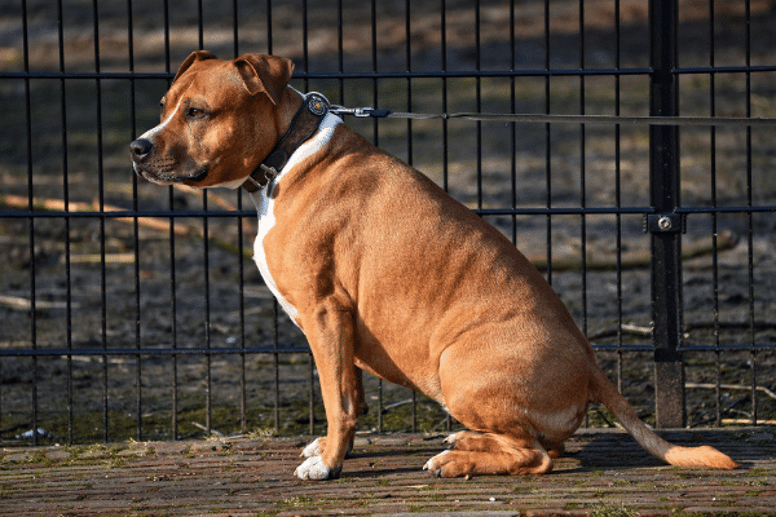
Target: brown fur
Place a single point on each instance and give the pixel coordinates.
(390, 275)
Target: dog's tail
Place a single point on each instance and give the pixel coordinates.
(603, 391)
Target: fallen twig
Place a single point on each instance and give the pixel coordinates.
(18, 303)
(154, 223)
(744, 421)
(53, 205)
(212, 431)
(711, 386)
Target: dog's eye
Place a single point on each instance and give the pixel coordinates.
(194, 113)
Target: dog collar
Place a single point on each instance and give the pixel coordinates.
(304, 125)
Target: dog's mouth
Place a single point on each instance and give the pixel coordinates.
(197, 176)
(165, 177)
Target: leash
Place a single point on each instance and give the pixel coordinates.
(366, 112)
(316, 106)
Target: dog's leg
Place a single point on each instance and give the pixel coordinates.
(317, 446)
(488, 394)
(330, 333)
(468, 441)
(473, 453)
(512, 451)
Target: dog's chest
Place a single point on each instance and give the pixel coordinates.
(266, 218)
(265, 205)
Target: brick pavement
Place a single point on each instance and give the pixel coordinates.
(605, 474)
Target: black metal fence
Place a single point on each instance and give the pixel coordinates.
(129, 310)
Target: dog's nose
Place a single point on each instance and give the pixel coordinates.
(140, 149)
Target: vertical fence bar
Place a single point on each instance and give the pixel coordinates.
(206, 266)
(31, 204)
(66, 198)
(548, 138)
(410, 149)
(445, 133)
(376, 140)
(240, 257)
(101, 202)
(750, 204)
(512, 125)
(618, 186)
(582, 168)
(173, 324)
(275, 312)
(666, 239)
(138, 343)
(171, 230)
(714, 219)
(133, 133)
(478, 97)
(208, 323)
(445, 128)
(340, 66)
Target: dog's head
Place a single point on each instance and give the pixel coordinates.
(219, 119)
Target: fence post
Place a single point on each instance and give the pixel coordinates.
(665, 226)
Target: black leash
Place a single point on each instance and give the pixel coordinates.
(558, 119)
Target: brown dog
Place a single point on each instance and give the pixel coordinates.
(385, 272)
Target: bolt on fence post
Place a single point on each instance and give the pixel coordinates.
(666, 238)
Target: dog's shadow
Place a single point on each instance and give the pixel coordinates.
(586, 453)
(610, 451)
(399, 461)
(614, 451)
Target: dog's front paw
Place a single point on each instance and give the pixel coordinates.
(313, 449)
(318, 446)
(313, 469)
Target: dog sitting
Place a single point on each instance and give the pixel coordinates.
(384, 272)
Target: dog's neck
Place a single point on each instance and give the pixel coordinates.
(304, 125)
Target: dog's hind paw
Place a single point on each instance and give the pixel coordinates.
(312, 449)
(451, 439)
(434, 464)
(313, 469)
(466, 440)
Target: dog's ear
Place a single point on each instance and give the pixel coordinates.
(199, 55)
(268, 74)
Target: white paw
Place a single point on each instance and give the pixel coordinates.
(313, 469)
(432, 463)
(311, 449)
(451, 439)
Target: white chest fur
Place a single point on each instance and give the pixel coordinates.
(265, 205)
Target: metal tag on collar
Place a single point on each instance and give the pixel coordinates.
(317, 103)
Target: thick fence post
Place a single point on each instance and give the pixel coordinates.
(665, 226)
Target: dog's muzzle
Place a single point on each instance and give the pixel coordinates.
(140, 149)
(160, 170)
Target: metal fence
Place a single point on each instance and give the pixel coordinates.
(130, 312)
